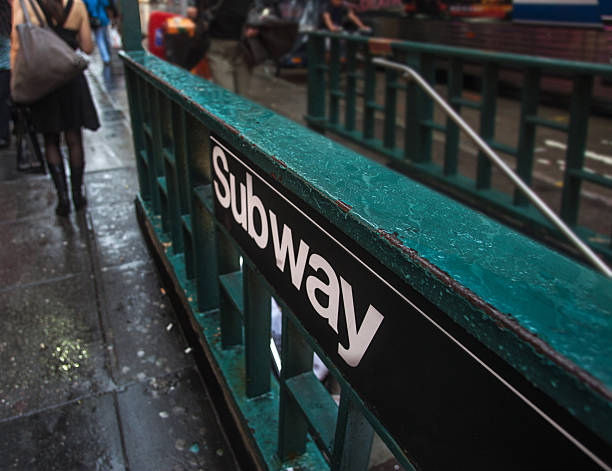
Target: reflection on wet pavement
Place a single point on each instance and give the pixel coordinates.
(43, 331)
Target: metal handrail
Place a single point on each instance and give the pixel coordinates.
(484, 147)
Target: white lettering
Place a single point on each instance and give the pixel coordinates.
(253, 202)
(286, 246)
(330, 289)
(359, 340)
(224, 200)
(240, 217)
(324, 282)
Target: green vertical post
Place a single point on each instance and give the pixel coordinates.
(131, 80)
(419, 109)
(158, 157)
(256, 332)
(390, 108)
(576, 146)
(411, 131)
(130, 25)
(184, 182)
(334, 81)
(145, 92)
(156, 128)
(296, 358)
(353, 438)
(228, 261)
(179, 134)
(202, 220)
(426, 107)
(170, 170)
(351, 85)
(487, 123)
(369, 97)
(527, 131)
(316, 81)
(451, 144)
(204, 247)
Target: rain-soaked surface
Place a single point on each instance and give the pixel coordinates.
(96, 373)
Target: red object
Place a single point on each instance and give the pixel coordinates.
(156, 32)
(202, 69)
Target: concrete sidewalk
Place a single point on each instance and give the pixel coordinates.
(96, 373)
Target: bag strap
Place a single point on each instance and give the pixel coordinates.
(26, 15)
(38, 17)
(67, 9)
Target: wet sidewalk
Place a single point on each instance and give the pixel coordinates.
(96, 373)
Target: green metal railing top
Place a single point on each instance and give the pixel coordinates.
(343, 99)
(445, 251)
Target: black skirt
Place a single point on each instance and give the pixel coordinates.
(69, 107)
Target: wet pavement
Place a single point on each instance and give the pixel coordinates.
(96, 372)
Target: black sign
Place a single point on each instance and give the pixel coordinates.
(442, 395)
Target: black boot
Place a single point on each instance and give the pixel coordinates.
(76, 183)
(59, 179)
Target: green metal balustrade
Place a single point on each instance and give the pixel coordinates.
(461, 343)
(342, 98)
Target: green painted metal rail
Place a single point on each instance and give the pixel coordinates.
(448, 346)
(342, 98)
(578, 244)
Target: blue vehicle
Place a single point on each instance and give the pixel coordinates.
(589, 13)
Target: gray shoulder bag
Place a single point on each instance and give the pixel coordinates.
(44, 61)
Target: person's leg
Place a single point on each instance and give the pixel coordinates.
(58, 174)
(242, 73)
(220, 56)
(102, 43)
(74, 141)
(107, 42)
(5, 113)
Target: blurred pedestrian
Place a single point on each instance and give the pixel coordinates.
(67, 109)
(226, 60)
(5, 72)
(338, 16)
(99, 20)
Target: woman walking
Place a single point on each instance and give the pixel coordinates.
(69, 108)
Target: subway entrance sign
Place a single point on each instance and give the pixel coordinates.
(444, 396)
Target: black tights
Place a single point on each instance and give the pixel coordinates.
(74, 141)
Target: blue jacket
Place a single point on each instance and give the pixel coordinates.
(97, 9)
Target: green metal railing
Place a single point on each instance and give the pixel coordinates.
(444, 343)
(343, 98)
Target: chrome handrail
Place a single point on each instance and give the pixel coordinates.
(533, 197)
